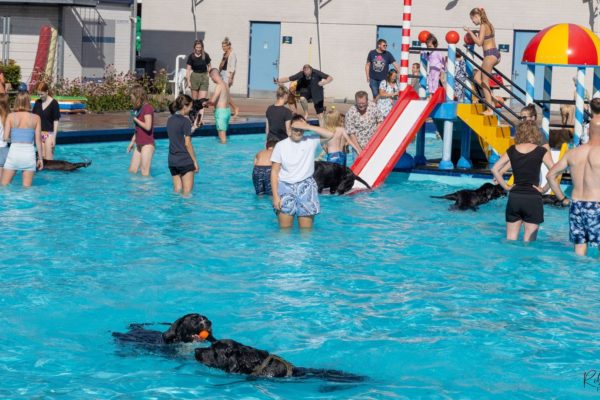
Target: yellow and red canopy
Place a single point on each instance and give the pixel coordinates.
(564, 44)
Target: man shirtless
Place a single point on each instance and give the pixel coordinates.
(584, 215)
(220, 100)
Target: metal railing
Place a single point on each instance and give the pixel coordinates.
(482, 100)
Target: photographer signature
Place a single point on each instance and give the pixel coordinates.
(591, 378)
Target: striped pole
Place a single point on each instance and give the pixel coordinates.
(547, 96)
(423, 72)
(468, 93)
(579, 105)
(406, 17)
(530, 87)
(596, 83)
(452, 38)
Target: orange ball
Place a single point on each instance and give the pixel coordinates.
(469, 40)
(423, 36)
(203, 335)
(452, 37)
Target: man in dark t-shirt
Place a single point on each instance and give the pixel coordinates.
(310, 84)
(378, 66)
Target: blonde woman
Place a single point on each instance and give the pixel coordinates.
(525, 157)
(227, 70)
(491, 55)
(22, 130)
(142, 141)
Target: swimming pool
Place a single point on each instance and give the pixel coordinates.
(391, 285)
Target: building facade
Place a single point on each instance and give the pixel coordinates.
(91, 35)
(276, 37)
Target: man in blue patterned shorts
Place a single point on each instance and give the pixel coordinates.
(584, 163)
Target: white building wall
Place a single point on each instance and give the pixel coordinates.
(348, 31)
(25, 29)
(26, 21)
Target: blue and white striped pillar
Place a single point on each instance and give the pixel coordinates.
(530, 86)
(596, 83)
(423, 72)
(547, 96)
(579, 104)
(452, 38)
(468, 92)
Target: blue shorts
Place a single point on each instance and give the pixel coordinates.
(222, 116)
(300, 199)
(584, 222)
(261, 178)
(338, 157)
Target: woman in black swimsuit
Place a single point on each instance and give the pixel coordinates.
(491, 55)
(524, 206)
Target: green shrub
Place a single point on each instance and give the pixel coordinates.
(112, 92)
(12, 73)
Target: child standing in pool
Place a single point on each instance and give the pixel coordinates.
(220, 100)
(142, 141)
(295, 192)
(335, 146)
(182, 158)
(261, 174)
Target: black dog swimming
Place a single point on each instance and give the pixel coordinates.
(552, 200)
(187, 329)
(61, 165)
(468, 199)
(338, 178)
(233, 357)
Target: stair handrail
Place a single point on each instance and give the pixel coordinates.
(538, 103)
(484, 101)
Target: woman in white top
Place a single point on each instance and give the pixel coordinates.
(4, 110)
(295, 192)
(227, 70)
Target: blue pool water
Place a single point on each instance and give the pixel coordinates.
(424, 302)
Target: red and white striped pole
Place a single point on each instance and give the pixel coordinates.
(406, 17)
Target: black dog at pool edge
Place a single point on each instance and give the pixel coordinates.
(471, 199)
(233, 357)
(61, 165)
(338, 178)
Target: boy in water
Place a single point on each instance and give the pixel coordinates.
(220, 100)
(261, 175)
(335, 146)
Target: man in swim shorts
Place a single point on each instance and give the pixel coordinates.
(584, 215)
(220, 99)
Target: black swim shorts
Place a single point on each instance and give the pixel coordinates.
(525, 207)
(182, 170)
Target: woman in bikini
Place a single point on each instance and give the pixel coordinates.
(491, 55)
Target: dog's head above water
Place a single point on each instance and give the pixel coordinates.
(189, 328)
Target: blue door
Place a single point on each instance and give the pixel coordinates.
(519, 71)
(393, 36)
(264, 58)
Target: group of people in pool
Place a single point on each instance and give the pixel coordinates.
(25, 127)
(524, 207)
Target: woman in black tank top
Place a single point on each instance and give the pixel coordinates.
(524, 206)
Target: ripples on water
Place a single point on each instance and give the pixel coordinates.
(390, 285)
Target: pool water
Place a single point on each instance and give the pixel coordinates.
(425, 302)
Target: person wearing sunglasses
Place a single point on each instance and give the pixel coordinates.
(378, 66)
(295, 192)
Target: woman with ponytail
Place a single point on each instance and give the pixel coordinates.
(491, 56)
(182, 158)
